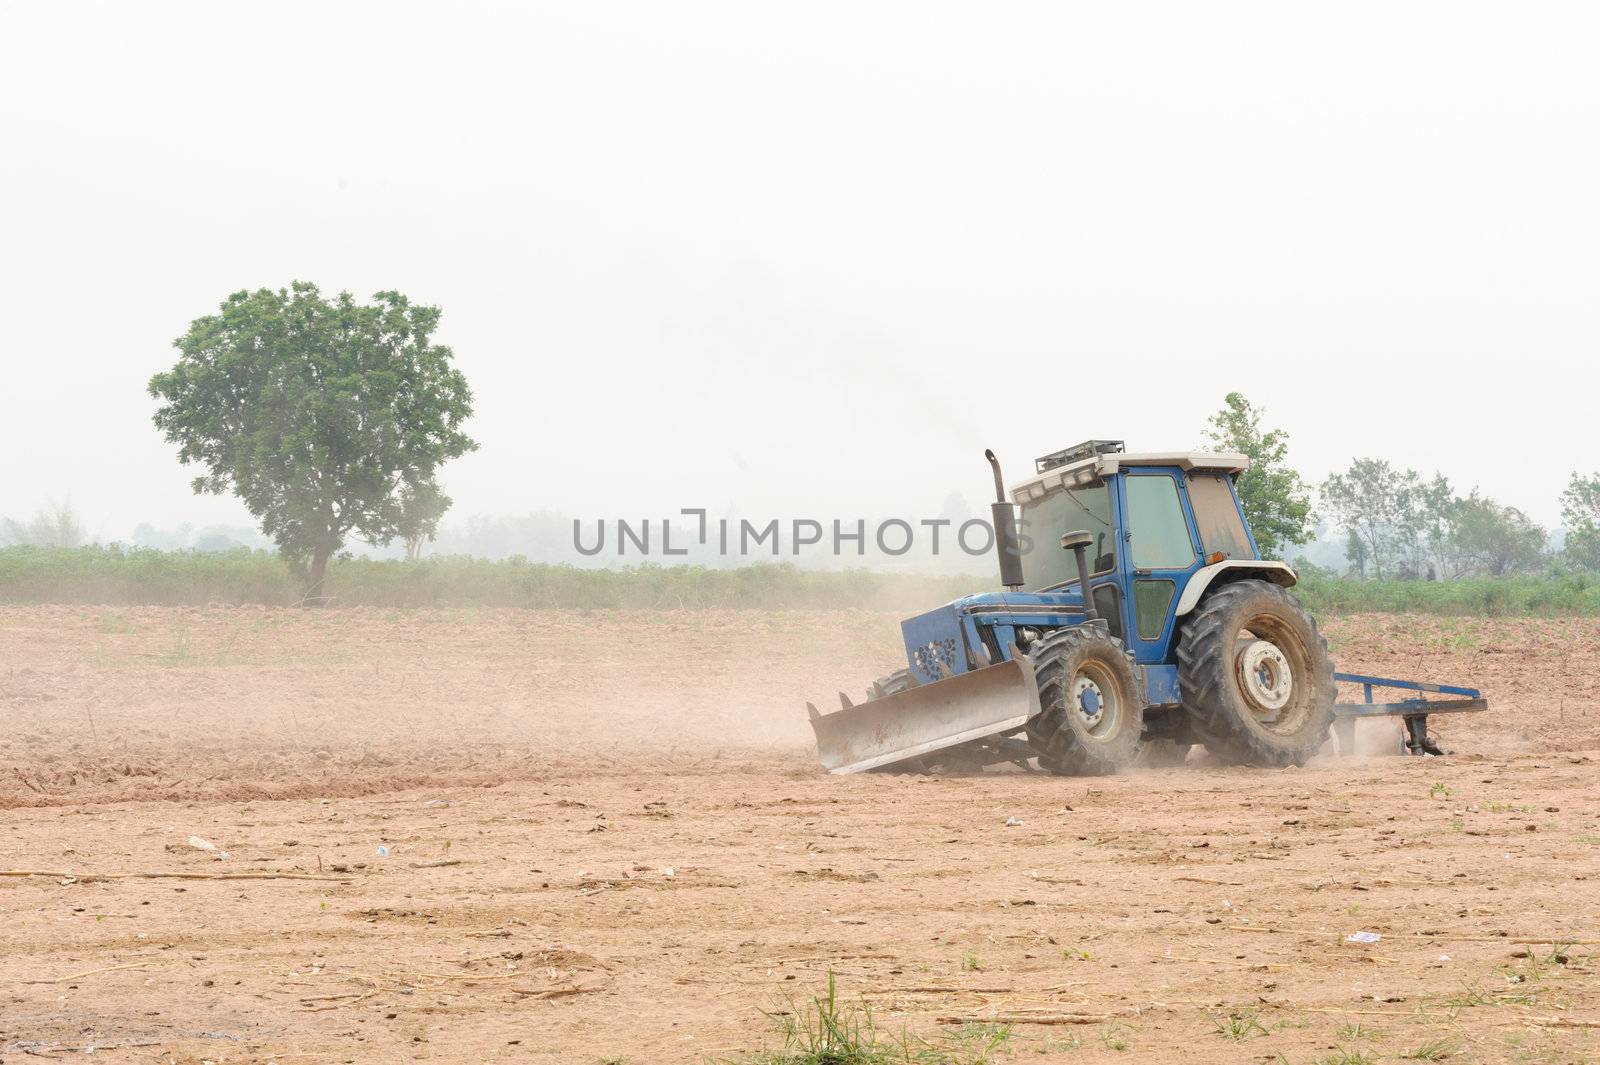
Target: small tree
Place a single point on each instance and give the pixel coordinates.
(1355, 552)
(1580, 516)
(53, 526)
(1362, 500)
(1274, 498)
(324, 416)
(1489, 540)
(1426, 512)
(1394, 521)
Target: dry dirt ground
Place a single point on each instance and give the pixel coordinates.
(590, 837)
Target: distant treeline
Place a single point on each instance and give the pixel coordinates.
(115, 575)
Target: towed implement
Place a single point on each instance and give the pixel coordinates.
(1138, 620)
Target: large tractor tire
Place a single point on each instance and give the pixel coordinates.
(1255, 677)
(1092, 702)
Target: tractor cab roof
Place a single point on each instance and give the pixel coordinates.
(1091, 468)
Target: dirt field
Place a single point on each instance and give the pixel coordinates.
(601, 837)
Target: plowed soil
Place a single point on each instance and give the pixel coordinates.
(571, 837)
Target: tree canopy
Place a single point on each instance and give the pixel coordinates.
(1274, 498)
(328, 418)
(1486, 539)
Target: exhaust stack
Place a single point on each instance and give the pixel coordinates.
(1004, 519)
(1078, 543)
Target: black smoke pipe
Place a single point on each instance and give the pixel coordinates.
(1004, 518)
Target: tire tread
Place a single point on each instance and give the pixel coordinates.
(1205, 686)
(1059, 749)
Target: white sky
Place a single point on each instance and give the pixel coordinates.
(812, 258)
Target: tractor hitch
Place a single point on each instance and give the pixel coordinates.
(1413, 711)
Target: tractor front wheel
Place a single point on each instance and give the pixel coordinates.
(1092, 702)
(1255, 677)
(895, 683)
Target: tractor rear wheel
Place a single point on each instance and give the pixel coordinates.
(1092, 702)
(1255, 677)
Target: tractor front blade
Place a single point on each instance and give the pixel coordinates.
(991, 701)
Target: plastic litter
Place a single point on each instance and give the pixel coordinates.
(383, 850)
(1012, 822)
(435, 802)
(1362, 937)
(206, 845)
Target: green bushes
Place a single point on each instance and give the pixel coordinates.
(142, 576)
(186, 578)
(1546, 596)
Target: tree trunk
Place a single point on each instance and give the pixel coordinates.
(315, 578)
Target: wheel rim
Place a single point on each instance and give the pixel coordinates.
(1266, 676)
(1269, 665)
(1096, 701)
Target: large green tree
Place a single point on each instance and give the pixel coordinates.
(1274, 498)
(328, 418)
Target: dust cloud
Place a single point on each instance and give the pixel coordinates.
(152, 701)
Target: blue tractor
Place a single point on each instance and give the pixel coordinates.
(1138, 620)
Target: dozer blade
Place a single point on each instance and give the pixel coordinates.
(991, 701)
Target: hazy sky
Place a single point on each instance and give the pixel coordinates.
(815, 257)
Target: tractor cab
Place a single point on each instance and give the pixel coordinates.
(1158, 522)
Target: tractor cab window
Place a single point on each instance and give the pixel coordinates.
(1217, 516)
(1044, 521)
(1158, 532)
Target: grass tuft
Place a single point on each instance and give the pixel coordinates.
(1469, 996)
(1239, 1026)
(827, 1032)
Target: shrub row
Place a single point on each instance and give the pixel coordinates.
(112, 575)
(116, 575)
